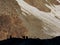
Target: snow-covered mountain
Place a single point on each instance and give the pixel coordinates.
(41, 17)
(32, 18)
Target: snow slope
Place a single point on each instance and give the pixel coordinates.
(51, 19)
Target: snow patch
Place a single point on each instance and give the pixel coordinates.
(48, 18)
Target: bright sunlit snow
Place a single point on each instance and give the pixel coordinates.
(51, 18)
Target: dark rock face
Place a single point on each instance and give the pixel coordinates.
(31, 41)
(10, 22)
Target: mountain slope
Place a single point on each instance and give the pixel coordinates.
(10, 22)
(45, 11)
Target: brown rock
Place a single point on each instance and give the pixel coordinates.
(40, 4)
(10, 22)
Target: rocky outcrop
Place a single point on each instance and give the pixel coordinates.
(10, 23)
(32, 18)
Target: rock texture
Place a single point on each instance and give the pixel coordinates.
(10, 22)
(32, 18)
